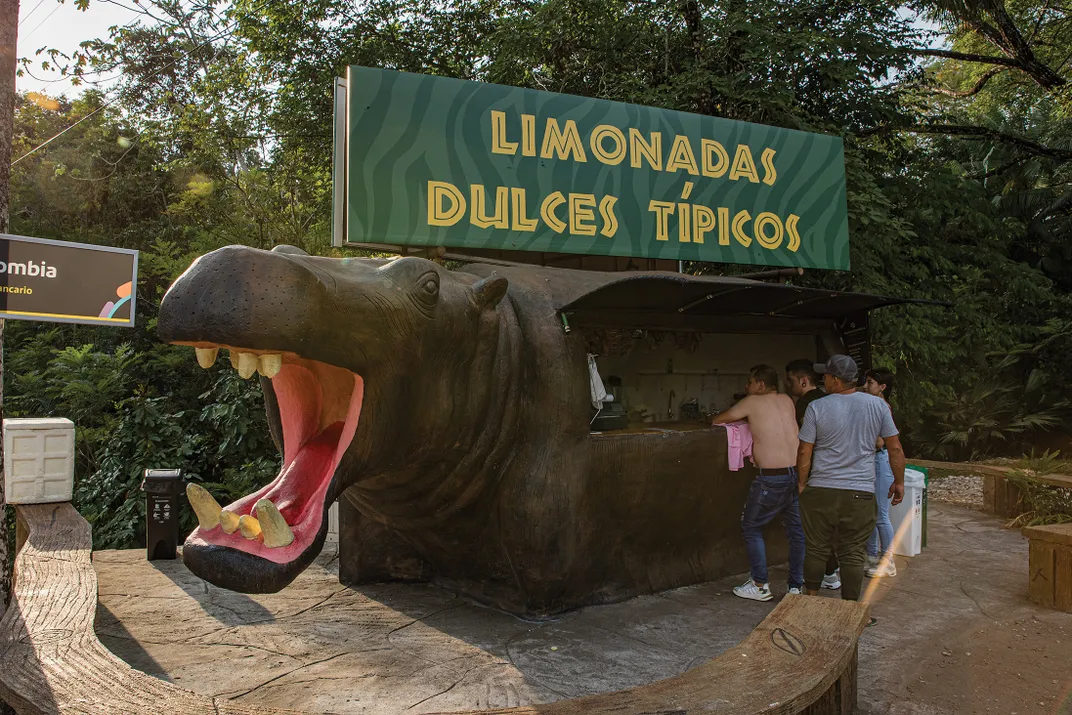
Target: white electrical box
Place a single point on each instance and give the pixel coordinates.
(38, 460)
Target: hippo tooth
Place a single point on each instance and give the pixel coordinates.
(228, 522)
(234, 359)
(276, 531)
(207, 509)
(247, 365)
(270, 365)
(249, 526)
(206, 357)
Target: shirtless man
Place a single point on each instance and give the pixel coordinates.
(772, 420)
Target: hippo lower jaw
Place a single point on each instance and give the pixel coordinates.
(319, 408)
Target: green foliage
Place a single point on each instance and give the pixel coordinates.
(950, 360)
(129, 418)
(1044, 504)
(136, 403)
(992, 413)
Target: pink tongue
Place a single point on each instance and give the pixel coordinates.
(294, 494)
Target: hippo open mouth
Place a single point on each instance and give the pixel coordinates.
(333, 341)
(319, 408)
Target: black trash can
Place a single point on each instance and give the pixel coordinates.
(163, 489)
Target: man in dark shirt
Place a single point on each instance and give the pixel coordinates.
(802, 385)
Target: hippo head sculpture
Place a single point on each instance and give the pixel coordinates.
(348, 352)
(449, 414)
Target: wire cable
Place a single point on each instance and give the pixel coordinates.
(31, 12)
(62, 132)
(113, 101)
(47, 18)
(64, 77)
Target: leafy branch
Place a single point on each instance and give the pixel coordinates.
(976, 133)
(976, 88)
(965, 57)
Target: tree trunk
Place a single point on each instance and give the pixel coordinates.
(9, 27)
(9, 33)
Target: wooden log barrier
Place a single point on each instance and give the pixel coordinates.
(801, 659)
(1001, 497)
(50, 658)
(1050, 565)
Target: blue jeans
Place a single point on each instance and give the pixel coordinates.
(769, 497)
(883, 526)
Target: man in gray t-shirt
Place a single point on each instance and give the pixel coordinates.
(836, 471)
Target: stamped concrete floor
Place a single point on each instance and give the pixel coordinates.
(956, 635)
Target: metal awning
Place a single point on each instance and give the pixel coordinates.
(676, 294)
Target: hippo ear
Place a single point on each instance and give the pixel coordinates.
(290, 250)
(487, 292)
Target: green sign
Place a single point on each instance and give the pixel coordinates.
(432, 161)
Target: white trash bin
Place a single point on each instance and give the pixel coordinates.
(907, 517)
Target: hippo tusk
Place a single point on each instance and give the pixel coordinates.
(205, 506)
(249, 526)
(228, 522)
(274, 526)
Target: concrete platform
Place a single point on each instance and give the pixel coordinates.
(956, 635)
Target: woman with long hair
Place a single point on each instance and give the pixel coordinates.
(880, 563)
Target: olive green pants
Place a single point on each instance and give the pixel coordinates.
(851, 516)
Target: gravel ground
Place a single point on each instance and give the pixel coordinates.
(964, 490)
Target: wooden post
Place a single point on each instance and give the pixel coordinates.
(1050, 565)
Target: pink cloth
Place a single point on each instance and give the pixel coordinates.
(739, 441)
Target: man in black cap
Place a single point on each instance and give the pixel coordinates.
(836, 472)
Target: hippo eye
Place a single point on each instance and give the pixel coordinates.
(429, 285)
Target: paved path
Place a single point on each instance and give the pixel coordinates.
(956, 634)
(397, 648)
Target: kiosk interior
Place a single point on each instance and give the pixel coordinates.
(672, 349)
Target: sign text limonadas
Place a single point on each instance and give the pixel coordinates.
(434, 161)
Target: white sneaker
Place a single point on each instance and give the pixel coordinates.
(750, 590)
(884, 568)
(832, 581)
(794, 591)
